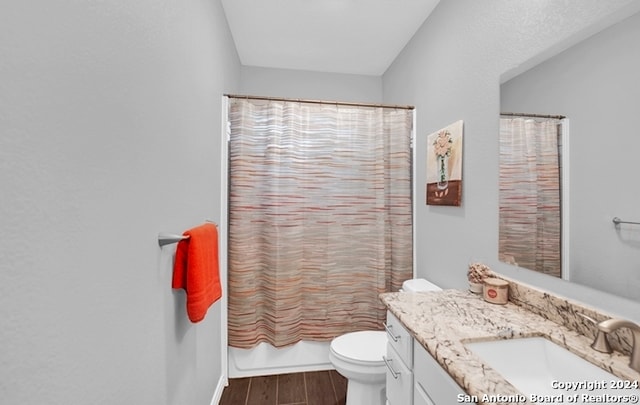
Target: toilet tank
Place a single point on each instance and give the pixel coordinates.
(419, 284)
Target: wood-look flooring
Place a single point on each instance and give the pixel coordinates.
(311, 388)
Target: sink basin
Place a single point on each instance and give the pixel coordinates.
(540, 367)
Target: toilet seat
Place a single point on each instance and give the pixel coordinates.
(363, 347)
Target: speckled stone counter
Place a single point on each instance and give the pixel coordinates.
(443, 321)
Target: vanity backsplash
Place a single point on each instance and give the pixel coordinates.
(565, 312)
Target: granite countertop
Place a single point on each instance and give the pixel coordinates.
(443, 321)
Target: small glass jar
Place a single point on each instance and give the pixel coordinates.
(476, 288)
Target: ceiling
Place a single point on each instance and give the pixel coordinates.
(339, 36)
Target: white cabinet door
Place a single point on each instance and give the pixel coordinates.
(431, 377)
(420, 397)
(399, 379)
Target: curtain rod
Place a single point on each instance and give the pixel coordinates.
(557, 117)
(299, 100)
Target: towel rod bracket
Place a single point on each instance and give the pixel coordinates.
(169, 238)
(617, 221)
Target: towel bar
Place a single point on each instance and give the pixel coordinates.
(618, 221)
(169, 238)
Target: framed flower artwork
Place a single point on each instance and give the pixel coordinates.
(444, 165)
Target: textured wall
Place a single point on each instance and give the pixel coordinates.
(310, 85)
(109, 121)
(595, 84)
(451, 70)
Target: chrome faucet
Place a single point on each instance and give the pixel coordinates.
(601, 343)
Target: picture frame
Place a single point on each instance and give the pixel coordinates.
(444, 165)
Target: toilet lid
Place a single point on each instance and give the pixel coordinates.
(368, 346)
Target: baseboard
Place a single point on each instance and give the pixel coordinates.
(217, 394)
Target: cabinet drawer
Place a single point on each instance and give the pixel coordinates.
(400, 339)
(438, 385)
(399, 379)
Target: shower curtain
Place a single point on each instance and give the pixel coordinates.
(320, 218)
(530, 222)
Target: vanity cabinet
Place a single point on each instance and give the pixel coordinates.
(413, 375)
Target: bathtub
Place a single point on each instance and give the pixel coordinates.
(265, 359)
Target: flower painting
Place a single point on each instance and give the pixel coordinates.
(444, 166)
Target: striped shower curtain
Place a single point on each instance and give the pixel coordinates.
(530, 220)
(320, 218)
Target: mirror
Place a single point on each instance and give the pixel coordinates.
(596, 85)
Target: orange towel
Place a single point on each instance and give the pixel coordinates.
(196, 270)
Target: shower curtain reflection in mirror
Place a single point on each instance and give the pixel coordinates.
(320, 218)
(530, 207)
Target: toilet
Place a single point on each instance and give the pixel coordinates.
(358, 357)
(419, 284)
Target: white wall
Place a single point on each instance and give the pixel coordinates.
(110, 116)
(596, 85)
(451, 70)
(259, 81)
